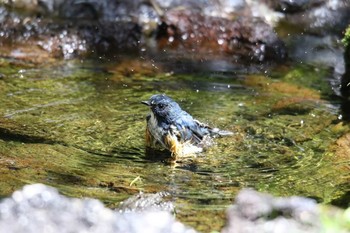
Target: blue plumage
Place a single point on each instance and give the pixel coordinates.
(171, 128)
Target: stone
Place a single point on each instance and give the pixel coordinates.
(39, 208)
(259, 212)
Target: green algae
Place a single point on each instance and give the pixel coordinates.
(307, 76)
(346, 38)
(80, 127)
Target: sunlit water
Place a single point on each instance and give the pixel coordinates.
(79, 126)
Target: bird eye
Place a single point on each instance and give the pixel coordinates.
(161, 106)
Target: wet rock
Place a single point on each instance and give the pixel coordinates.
(321, 17)
(221, 8)
(107, 27)
(313, 16)
(85, 9)
(312, 31)
(67, 39)
(138, 11)
(258, 212)
(123, 10)
(39, 208)
(245, 37)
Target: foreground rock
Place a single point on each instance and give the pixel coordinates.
(38, 208)
(258, 212)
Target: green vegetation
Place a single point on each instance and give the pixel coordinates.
(346, 39)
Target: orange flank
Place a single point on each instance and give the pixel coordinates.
(174, 146)
(148, 137)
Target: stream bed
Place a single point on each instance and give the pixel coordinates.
(79, 126)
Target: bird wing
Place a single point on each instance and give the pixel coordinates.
(213, 131)
(189, 129)
(196, 131)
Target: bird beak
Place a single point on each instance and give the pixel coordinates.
(146, 103)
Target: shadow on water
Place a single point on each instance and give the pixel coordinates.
(79, 126)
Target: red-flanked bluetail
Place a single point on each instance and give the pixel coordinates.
(172, 129)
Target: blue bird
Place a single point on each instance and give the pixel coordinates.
(173, 129)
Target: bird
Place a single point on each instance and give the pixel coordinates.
(174, 130)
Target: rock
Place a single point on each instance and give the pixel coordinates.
(220, 8)
(67, 38)
(323, 17)
(108, 27)
(39, 208)
(258, 212)
(244, 37)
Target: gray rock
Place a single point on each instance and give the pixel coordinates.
(259, 212)
(39, 208)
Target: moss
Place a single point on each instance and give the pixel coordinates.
(346, 38)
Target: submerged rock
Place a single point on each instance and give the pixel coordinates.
(147, 201)
(39, 208)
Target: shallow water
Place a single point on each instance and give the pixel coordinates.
(79, 126)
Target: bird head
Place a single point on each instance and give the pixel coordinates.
(163, 107)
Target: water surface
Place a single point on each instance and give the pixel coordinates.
(79, 126)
